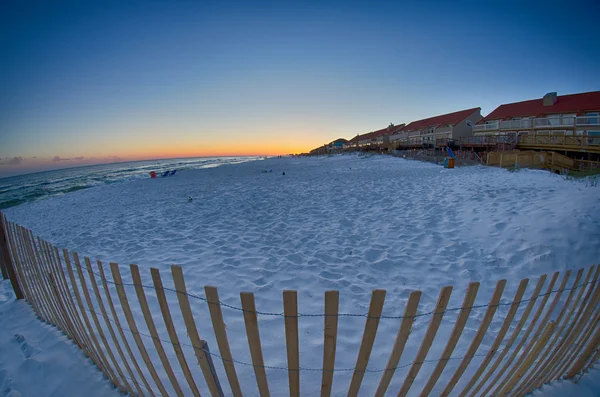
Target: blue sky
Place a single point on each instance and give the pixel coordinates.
(167, 79)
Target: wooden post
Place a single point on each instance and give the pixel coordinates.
(401, 338)
(366, 345)
(2, 265)
(251, 322)
(139, 290)
(461, 321)
(166, 313)
(8, 263)
(290, 307)
(511, 341)
(192, 331)
(528, 331)
(503, 330)
(432, 328)
(330, 340)
(216, 315)
(133, 327)
(501, 155)
(481, 331)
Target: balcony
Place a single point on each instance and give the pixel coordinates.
(552, 122)
(588, 120)
(515, 124)
(492, 125)
(559, 140)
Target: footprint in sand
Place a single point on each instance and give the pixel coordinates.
(26, 349)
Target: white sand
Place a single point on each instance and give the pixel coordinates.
(350, 223)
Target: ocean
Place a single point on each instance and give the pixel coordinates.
(20, 189)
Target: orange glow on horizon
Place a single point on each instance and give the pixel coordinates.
(240, 149)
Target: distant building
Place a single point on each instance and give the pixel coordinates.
(438, 129)
(375, 139)
(576, 114)
(337, 145)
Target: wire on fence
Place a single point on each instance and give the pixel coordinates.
(365, 315)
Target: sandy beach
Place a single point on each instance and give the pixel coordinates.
(350, 223)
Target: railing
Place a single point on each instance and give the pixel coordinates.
(541, 122)
(486, 139)
(588, 120)
(559, 140)
(554, 122)
(485, 127)
(515, 124)
(554, 331)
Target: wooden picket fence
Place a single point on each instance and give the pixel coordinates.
(548, 342)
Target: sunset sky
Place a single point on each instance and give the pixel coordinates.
(87, 82)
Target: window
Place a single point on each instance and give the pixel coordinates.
(469, 123)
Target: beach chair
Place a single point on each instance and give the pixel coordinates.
(172, 172)
(165, 174)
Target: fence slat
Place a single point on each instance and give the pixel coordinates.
(31, 274)
(459, 326)
(500, 337)
(190, 324)
(8, 267)
(332, 300)
(528, 381)
(544, 321)
(67, 298)
(72, 311)
(111, 330)
(19, 268)
(72, 308)
(401, 338)
(116, 273)
(95, 344)
(532, 324)
(216, 315)
(366, 345)
(166, 313)
(290, 310)
(44, 264)
(532, 300)
(583, 332)
(587, 354)
(530, 356)
(552, 361)
(59, 294)
(41, 278)
(432, 328)
(481, 331)
(41, 264)
(141, 295)
(571, 333)
(124, 386)
(251, 322)
(120, 329)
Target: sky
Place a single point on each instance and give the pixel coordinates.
(85, 82)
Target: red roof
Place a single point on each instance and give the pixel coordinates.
(575, 103)
(450, 118)
(377, 134)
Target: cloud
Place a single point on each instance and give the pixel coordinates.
(78, 158)
(56, 158)
(16, 160)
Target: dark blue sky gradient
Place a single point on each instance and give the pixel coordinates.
(90, 79)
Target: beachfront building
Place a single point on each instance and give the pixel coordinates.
(375, 139)
(576, 114)
(338, 144)
(438, 130)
